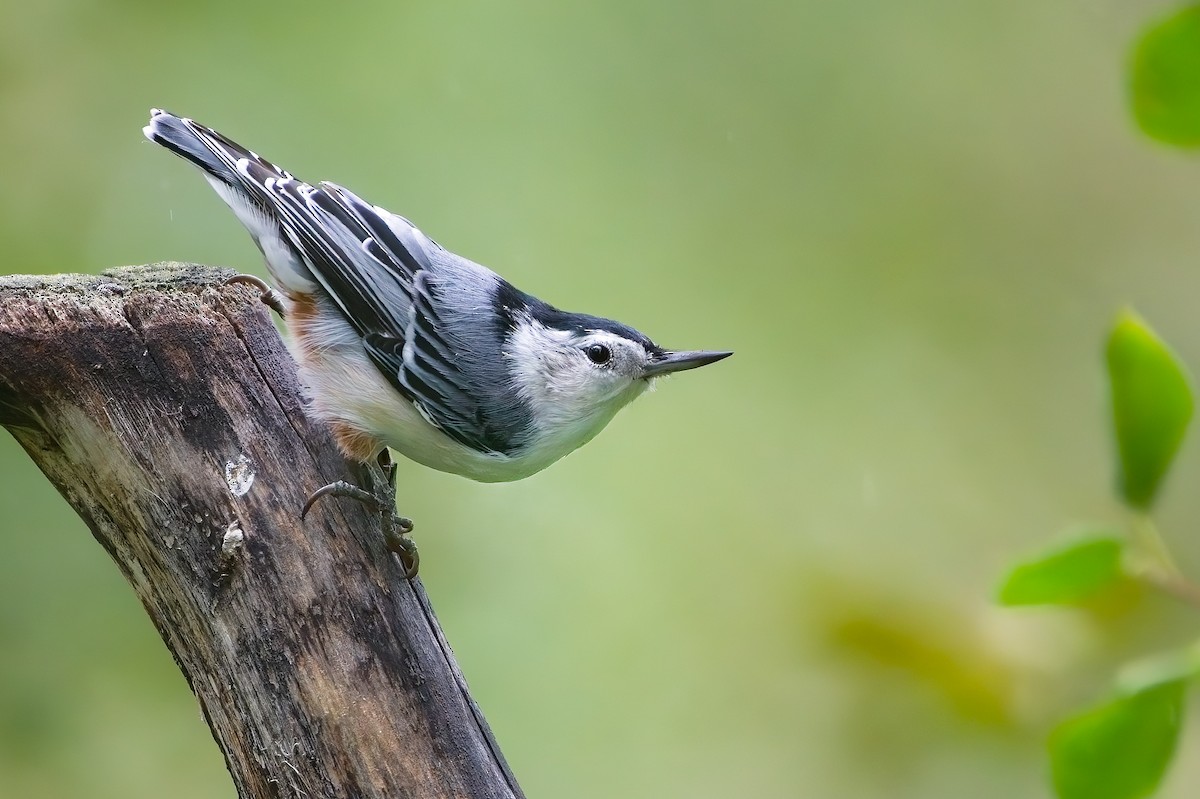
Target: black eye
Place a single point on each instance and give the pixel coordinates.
(599, 354)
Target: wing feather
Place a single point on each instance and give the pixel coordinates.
(428, 371)
(367, 263)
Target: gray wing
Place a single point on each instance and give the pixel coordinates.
(377, 269)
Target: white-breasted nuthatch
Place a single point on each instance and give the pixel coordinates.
(406, 345)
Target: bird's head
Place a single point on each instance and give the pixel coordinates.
(576, 371)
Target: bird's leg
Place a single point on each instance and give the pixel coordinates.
(395, 528)
(269, 296)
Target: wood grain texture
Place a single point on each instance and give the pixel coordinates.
(149, 396)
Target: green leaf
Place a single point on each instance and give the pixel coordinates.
(1152, 405)
(1065, 575)
(1119, 749)
(1165, 79)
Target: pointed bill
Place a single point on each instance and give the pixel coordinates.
(668, 362)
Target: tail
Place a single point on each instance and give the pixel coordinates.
(243, 180)
(213, 152)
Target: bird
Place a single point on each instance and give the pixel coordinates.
(406, 345)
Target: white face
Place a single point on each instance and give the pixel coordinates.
(576, 382)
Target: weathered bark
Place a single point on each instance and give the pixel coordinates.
(166, 410)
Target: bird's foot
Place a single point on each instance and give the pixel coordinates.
(269, 296)
(395, 528)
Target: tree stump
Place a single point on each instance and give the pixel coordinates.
(164, 407)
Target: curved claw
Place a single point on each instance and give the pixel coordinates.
(268, 295)
(406, 549)
(395, 528)
(341, 488)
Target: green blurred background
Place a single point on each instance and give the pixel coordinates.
(912, 221)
